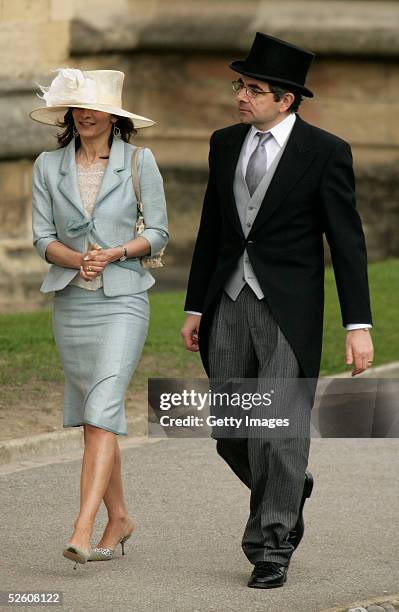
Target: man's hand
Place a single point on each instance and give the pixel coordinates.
(189, 332)
(359, 350)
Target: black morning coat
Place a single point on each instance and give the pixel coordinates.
(312, 192)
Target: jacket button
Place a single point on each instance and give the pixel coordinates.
(250, 242)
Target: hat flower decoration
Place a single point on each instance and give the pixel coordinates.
(70, 85)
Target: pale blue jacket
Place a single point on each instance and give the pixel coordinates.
(58, 214)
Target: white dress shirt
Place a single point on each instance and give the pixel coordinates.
(280, 133)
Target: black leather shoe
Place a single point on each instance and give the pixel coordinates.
(268, 575)
(296, 535)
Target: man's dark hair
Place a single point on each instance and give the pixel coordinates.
(280, 91)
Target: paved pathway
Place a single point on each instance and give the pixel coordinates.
(191, 510)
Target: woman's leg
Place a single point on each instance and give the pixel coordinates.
(97, 467)
(119, 522)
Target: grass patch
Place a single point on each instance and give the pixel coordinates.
(384, 290)
(28, 353)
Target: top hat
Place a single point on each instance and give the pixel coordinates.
(95, 89)
(274, 60)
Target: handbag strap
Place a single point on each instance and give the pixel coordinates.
(136, 180)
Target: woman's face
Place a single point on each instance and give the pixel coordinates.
(92, 123)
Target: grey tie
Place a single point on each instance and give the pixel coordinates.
(257, 164)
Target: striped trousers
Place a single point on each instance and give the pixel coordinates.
(246, 342)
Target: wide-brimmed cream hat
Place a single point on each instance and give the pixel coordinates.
(95, 89)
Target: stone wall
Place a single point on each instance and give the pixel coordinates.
(34, 36)
(175, 56)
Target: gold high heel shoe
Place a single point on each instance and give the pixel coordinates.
(106, 554)
(74, 553)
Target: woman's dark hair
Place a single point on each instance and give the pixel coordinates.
(280, 91)
(125, 125)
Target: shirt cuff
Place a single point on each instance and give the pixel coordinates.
(351, 326)
(193, 312)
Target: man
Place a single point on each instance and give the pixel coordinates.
(256, 287)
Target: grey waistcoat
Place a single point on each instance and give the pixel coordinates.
(248, 207)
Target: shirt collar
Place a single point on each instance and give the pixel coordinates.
(281, 131)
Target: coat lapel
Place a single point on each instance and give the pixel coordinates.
(232, 154)
(294, 162)
(112, 178)
(68, 184)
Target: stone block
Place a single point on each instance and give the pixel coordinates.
(25, 11)
(14, 200)
(377, 188)
(61, 10)
(19, 135)
(21, 274)
(53, 44)
(329, 27)
(333, 27)
(352, 96)
(22, 293)
(32, 47)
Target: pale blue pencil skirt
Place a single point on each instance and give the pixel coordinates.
(100, 340)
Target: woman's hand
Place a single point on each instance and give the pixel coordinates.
(95, 260)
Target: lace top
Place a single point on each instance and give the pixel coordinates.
(89, 180)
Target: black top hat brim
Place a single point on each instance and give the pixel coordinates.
(239, 66)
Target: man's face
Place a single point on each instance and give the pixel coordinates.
(261, 110)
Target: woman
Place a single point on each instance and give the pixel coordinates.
(84, 214)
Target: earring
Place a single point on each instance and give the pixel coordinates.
(116, 131)
(75, 132)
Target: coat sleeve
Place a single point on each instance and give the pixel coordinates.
(344, 233)
(43, 227)
(154, 204)
(206, 247)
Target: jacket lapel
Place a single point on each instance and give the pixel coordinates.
(294, 162)
(232, 154)
(68, 184)
(112, 178)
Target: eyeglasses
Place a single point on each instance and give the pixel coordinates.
(250, 91)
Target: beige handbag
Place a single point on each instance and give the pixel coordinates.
(147, 261)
